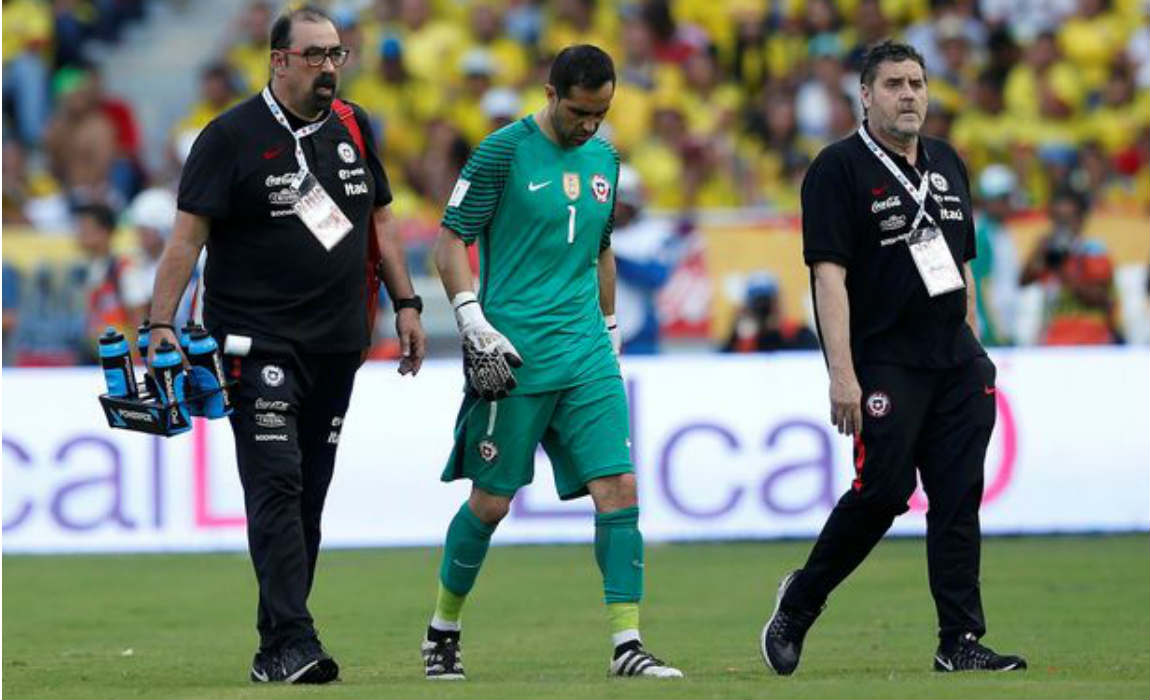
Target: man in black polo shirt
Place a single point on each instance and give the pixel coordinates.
(286, 189)
(888, 234)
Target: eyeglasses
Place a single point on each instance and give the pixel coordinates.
(314, 56)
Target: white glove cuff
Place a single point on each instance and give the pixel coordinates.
(467, 310)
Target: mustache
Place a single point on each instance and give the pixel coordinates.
(326, 80)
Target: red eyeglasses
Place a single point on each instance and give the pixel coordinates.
(314, 56)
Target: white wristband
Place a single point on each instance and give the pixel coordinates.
(467, 310)
(611, 322)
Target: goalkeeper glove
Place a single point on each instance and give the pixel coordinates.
(488, 356)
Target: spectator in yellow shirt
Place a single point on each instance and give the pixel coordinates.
(511, 64)
(250, 52)
(1116, 121)
(954, 83)
(712, 104)
(1043, 84)
(871, 26)
(1091, 39)
(579, 22)
(982, 133)
(658, 158)
(217, 93)
(398, 104)
(773, 148)
(27, 39)
(465, 113)
(1046, 94)
(430, 45)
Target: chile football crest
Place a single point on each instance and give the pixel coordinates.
(600, 188)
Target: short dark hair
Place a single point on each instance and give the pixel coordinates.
(281, 28)
(102, 214)
(1065, 192)
(583, 65)
(887, 51)
(217, 71)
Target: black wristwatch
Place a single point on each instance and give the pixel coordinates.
(414, 302)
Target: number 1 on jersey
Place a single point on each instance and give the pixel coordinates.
(571, 223)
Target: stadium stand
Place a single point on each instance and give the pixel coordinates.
(720, 107)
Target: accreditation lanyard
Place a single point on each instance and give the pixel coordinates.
(308, 130)
(917, 194)
(928, 247)
(313, 205)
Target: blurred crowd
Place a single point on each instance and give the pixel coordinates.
(719, 105)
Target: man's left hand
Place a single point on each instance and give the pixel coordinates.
(412, 341)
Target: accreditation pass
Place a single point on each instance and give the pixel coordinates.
(319, 212)
(934, 262)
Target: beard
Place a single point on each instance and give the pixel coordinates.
(321, 101)
(568, 137)
(906, 129)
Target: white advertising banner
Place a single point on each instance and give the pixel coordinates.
(724, 447)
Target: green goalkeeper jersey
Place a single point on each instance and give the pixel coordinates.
(541, 214)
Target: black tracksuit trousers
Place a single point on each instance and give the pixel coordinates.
(940, 422)
(288, 416)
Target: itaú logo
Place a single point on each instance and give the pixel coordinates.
(1000, 461)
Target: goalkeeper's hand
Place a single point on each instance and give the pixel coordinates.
(488, 356)
(616, 336)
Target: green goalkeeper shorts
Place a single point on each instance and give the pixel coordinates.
(584, 430)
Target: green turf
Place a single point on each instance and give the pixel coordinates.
(181, 625)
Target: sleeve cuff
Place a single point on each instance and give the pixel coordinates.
(468, 239)
(202, 210)
(810, 257)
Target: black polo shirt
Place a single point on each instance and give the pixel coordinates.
(266, 274)
(856, 214)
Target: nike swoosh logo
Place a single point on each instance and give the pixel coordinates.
(274, 151)
(637, 564)
(876, 191)
(532, 186)
(944, 663)
(988, 390)
(466, 566)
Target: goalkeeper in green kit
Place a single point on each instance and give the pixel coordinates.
(540, 349)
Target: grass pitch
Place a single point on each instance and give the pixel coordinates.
(181, 626)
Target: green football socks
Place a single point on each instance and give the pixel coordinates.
(619, 553)
(467, 540)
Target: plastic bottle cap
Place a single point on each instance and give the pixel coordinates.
(165, 346)
(200, 334)
(111, 335)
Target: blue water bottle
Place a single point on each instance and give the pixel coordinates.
(116, 359)
(207, 376)
(168, 372)
(186, 334)
(143, 339)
